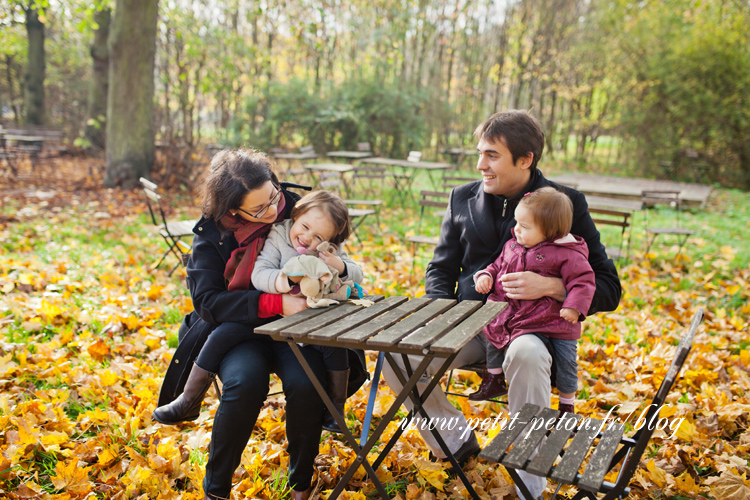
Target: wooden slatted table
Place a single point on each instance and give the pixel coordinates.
(436, 329)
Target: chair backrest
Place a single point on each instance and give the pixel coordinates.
(307, 149)
(149, 188)
(643, 435)
(668, 197)
(450, 182)
(153, 199)
(414, 156)
(368, 181)
(610, 217)
(431, 199)
(363, 146)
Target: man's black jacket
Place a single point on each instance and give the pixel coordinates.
(477, 225)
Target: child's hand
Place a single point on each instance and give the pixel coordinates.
(332, 260)
(569, 314)
(282, 283)
(484, 284)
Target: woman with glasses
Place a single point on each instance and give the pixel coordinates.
(242, 198)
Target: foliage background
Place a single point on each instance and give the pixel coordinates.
(637, 82)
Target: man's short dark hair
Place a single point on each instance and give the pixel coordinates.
(518, 130)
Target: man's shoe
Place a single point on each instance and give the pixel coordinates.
(493, 386)
(468, 450)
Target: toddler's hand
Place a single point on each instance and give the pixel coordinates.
(332, 260)
(569, 314)
(484, 284)
(282, 283)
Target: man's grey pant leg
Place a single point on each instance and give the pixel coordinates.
(527, 367)
(437, 405)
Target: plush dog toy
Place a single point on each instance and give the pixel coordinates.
(317, 281)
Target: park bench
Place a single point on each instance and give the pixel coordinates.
(606, 448)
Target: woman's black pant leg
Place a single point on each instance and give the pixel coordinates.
(304, 411)
(244, 372)
(223, 339)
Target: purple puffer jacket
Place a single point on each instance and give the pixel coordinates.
(568, 261)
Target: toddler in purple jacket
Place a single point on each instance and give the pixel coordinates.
(541, 243)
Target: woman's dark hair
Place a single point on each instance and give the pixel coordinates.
(330, 204)
(233, 174)
(552, 210)
(518, 130)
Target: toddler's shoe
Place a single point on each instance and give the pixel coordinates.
(493, 386)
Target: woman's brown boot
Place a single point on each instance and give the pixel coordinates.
(188, 405)
(337, 385)
(301, 495)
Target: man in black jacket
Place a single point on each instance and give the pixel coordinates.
(477, 224)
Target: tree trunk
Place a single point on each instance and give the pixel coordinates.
(34, 88)
(130, 136)
(11, 86)
(97, 105)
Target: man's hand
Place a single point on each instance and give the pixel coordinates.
(569, 314)
(332, 260)
(291, 305)
(531, 286)
(484, 284)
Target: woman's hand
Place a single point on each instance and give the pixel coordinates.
(291, 305)
(332, 260)
(531, 286)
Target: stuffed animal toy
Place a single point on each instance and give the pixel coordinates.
(317, 281)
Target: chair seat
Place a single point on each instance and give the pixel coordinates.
(425, 240)
(669, 230)
(180, 228)
(360, 212)
(371, 203)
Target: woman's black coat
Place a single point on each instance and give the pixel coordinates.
(214, 304)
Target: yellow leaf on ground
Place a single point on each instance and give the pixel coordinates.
(686, 483)
(49, 310)
(108, 377)
(729, 486)
(154, 292)
(656, 474)
(71, 478)
(686, 431)
(98, 350)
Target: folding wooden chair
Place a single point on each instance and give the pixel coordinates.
(604, 445)
(367, 188)
(670, 198)
(428, 199)
(172, 232)
(618, 218)
(331, 181)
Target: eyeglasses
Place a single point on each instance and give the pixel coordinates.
(260, 213)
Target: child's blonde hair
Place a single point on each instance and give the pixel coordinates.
(552, 210)
(330, 204)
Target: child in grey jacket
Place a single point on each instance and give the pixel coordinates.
(317, 217)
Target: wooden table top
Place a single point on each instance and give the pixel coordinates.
(331, 167)
(395, 324)
(354, 155)
(425, 165)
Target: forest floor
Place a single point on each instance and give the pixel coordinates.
(87, 329)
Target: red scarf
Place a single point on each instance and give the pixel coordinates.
(250, 236)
